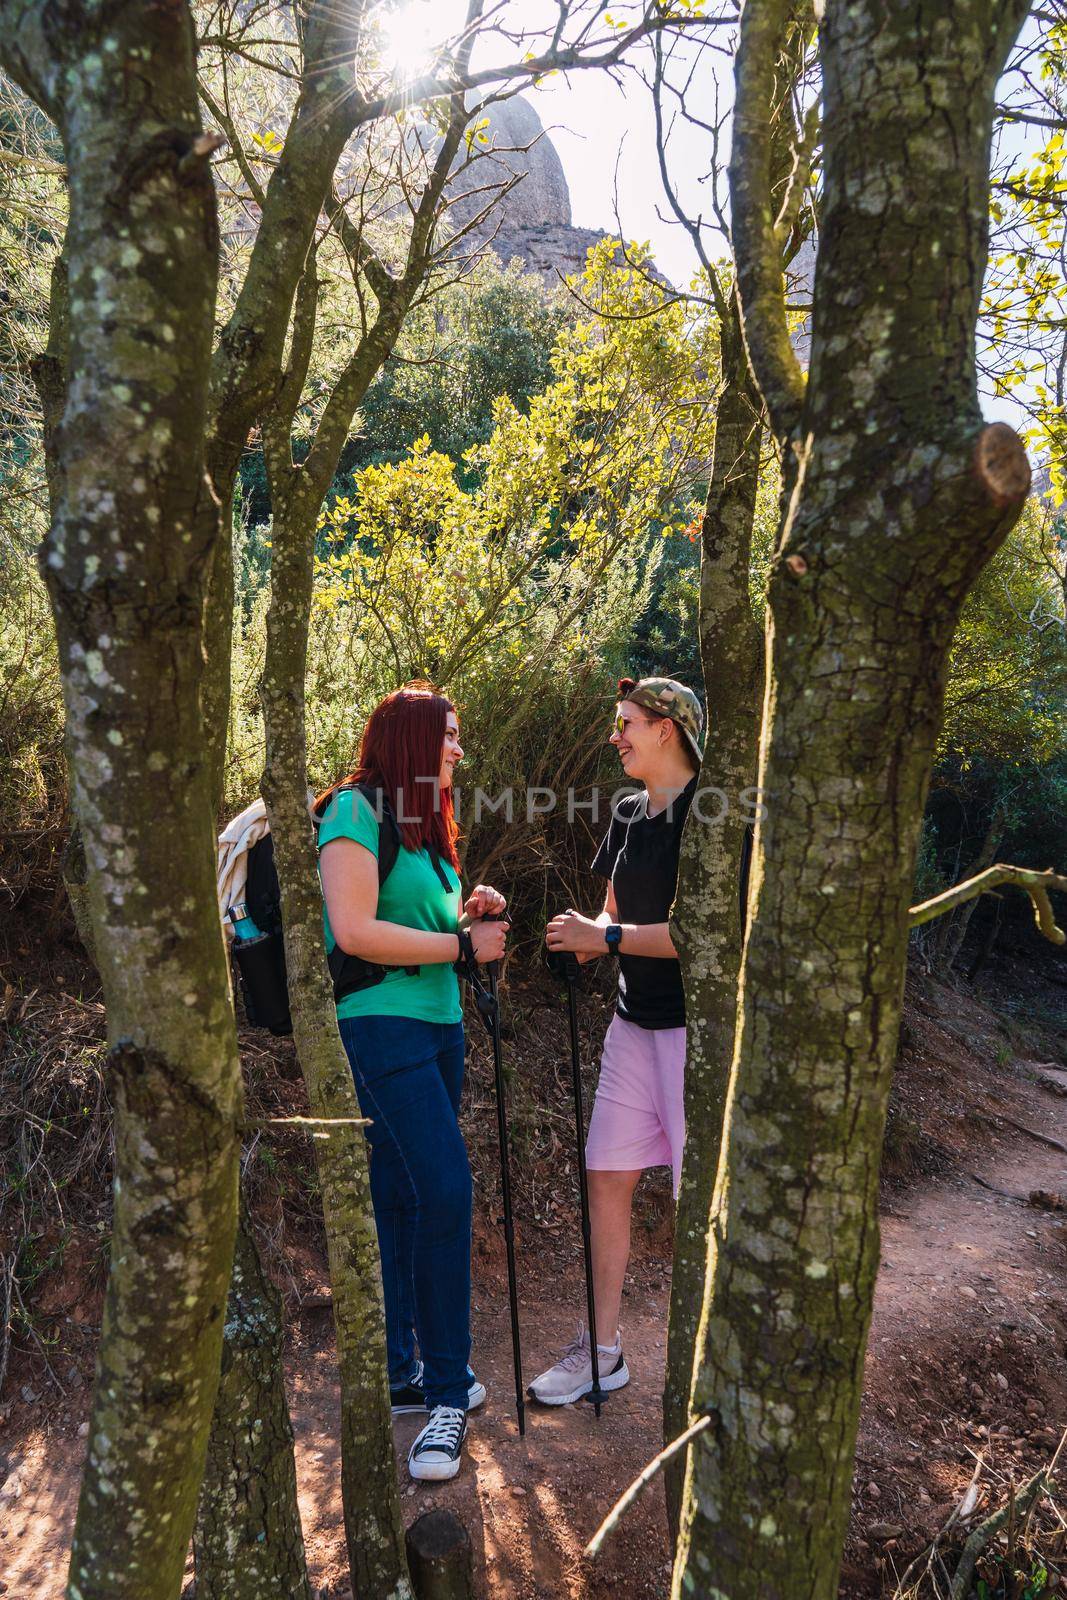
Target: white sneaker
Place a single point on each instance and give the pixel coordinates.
(572, 1375)
(437, 1451)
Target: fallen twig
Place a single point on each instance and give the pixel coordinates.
(963, 1508)
(35, 1336)
(644, 1477)
(1004, 1193)
(7, 1271)
(988, 1530)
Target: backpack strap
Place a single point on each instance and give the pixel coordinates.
(352, 973)
(442, 875)
(390, 842)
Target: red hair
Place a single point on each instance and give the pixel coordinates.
(400, 753)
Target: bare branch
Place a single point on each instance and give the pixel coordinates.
(576, 57)
(788, 217)
(1017, 1504)
(278, 421)
(691, 225)
(756, 249)
(1006, 114)
(357, 247)
(1036, 885)
(226, 123)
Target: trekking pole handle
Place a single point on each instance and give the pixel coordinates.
(563, 964)
(493, 967)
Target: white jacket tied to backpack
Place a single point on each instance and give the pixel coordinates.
(235, 841)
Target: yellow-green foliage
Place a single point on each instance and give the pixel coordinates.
(31, 702)
(1007, 685)
(1022, 331)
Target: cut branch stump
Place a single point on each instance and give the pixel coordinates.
(440, 1557)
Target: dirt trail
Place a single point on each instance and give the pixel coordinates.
(967, 1354)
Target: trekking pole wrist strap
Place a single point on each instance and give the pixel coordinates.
(466, 958)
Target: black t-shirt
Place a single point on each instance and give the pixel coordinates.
(639, 854)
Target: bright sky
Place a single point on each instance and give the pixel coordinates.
(599, 128)
(591, 120)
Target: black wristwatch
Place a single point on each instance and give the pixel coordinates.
(613, 937)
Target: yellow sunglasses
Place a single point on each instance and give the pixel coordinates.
(622, 723)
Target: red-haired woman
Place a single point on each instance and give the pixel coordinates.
(404, 1037)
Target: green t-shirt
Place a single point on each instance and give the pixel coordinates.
(412, 895)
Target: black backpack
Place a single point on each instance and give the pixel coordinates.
(260, 962)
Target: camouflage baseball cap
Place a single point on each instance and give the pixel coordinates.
(672, 699)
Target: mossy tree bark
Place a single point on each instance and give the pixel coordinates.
(248, 1543)
(133, 531)
(902, 496)
(373, 1522)
(706, 922)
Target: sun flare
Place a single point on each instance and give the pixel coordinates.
(411, 35)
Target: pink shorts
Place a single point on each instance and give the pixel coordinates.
(639, 1114)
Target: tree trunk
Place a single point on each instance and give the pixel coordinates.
(51, 374)
(373, 1524)
(132, 532)
(988, 943)
(706, 925)
(440, 1557)
(902, 496)
(958, 923)
(248, 1542)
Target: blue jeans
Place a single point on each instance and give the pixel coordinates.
(409, 1077)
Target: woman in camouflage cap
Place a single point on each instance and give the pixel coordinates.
(638, 1118)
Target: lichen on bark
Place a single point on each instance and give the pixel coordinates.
(132, 532)
(373, 1523)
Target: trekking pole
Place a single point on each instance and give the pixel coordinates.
(565, 964)
(505, 1189)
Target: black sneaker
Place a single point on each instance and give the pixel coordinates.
(411, 1396)
(436, 1453)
